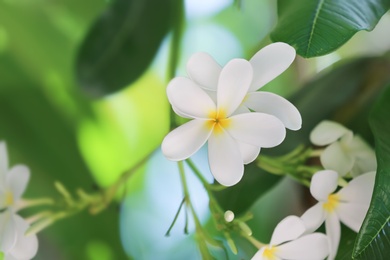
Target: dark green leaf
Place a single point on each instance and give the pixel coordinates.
(347, 241)
(374, 237)
(342, 94)
(318, 27)
(122, 43)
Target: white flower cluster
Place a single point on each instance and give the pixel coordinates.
(226, 110)
(346, 153)
(293, 237)
(14, 244)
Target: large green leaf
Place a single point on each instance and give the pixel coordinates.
(374, 237)
(318, 27)
(342, 94)
(122, 43)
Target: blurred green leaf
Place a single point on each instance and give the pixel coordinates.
(373, 240)
(122, 43)
(37, 131)
(250, 23)
(131, 124)
(38, 134)
(318, 27)
(342, 94)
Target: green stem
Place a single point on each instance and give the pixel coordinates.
(109, 194)
(177, 31)
(34, 202)
(253, 241)
(95, 202)
(316, 153)
(198, 173)
(175, 218)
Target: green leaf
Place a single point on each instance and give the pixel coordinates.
(122, 43)
(318, 27)
(373, 241)
(343, 94)
(347, 241)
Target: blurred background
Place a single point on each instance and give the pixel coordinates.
(63, 134)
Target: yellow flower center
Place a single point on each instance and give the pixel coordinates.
(9, 198)
(218, 121)
(269, 253)
(331, 204)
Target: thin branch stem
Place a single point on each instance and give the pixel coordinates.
(175, 218)
(253, 241)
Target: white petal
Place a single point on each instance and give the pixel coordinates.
(309, 247)
(241, 110)
(185, 140)
(9, 257)
(212, 94)
(270, 103)
(336, 158)
(352, 215)
(313, 218)
(288, 229)
(225, 159)
(7, 231)
(359, 190)
(365, 159)
(327, 132)
(233, 85)
(204, 70)
(249, 152)
(333, 231)
(257, 129)
(25, 247)
(270, 62)
(3, 163)
(323, 183)
(18, 178)
(180, 113)
(259, 255)
(189, 98)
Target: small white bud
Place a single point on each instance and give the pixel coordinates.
(229, 216)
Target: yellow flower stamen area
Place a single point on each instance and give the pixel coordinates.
(331, 204)
(218, 121)
(269, 253)
(9, 199)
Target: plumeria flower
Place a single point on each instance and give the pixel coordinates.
(24, 247)
(289, 242)
(349, 205)
(345, 152)
(266, 64)
(233, 140)
(13, 182)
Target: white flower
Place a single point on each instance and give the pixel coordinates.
(13, 182)
(349, 205)
(287, 242)
(346, 153)
(267, 64)
(233, 140)
(24, 247)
